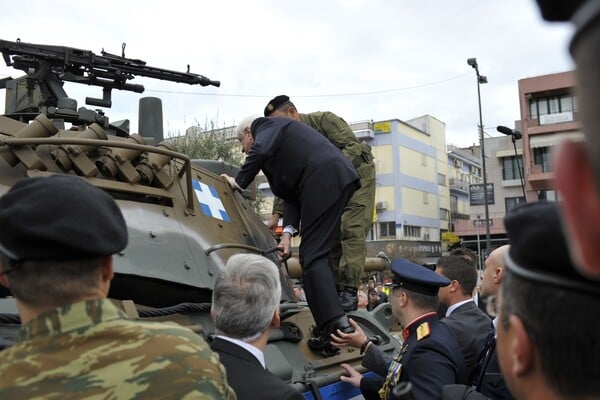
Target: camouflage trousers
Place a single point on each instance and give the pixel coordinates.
(350, 250)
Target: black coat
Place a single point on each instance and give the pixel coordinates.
(303, 168)
(429, 362)
(248, 378)
(471, 326)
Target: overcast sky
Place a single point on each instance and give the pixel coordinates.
(362, 59)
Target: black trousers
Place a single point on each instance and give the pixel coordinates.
(317, 242)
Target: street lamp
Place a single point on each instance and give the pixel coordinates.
(480, 80)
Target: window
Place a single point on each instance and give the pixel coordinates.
(454, 204)
(552, 105)
(541, 156)
(512, 202)
(423, 159)
(547, 194)
(510, 168)
(412, 231)
(387, 229)
(425, 198)
(444, 214)
(441, 179)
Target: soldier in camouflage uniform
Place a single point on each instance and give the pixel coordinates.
(56, 244)
(350, 251)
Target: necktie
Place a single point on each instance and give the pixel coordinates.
(484, 359)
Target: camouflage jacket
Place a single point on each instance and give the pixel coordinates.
(90, 350)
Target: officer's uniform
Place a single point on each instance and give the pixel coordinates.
(430, 356)
(350, 251)
(89, 349)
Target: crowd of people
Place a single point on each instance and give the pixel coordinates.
(526, 333)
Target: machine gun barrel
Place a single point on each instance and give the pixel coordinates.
(84, 66)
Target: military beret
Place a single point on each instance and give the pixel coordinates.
(559, 10)
(276, 103)
(416, 278)
(60, 217)
(538, 248)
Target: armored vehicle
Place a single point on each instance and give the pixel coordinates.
(183, 220)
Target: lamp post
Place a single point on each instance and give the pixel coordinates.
(480, 80)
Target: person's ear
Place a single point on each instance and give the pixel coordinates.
(520, 347)
(3, 277)
(276, 321)
(107, 269)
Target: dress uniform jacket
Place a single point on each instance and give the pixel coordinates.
(247, 376)
(470, 326)
(316, 181)
(430, 358)
(90, 349)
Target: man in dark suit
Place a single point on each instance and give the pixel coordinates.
(316, 181)
(430, 356)
(245, 308)
(469, 324)
(487, 378)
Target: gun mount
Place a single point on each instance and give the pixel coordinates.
(183, 220)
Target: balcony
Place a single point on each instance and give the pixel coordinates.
(538, 178)
(458, 185)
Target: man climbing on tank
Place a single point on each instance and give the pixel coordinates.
(316, 186)
(349, 246)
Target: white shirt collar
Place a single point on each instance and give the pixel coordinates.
(455, 306)
(255, 351)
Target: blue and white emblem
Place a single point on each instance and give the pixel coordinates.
(209, 201)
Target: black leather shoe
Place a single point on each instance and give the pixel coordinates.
(321, 340)
(349, 298)
(340, 323)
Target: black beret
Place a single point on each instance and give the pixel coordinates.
(558, 10)
(538, 248)
(60, 217)
(416, 278)
(276, 103)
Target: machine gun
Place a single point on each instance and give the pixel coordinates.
(47, 67)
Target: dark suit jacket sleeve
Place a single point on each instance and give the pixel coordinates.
(249, 170)
(376, 360)
(291, 214)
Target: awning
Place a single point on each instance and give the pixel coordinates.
(553, 139)
(508, 153)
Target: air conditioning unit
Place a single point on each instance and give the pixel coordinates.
(381, 205)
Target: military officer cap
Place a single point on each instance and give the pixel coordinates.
(416, 278)
(276, 103)
(60, 217)
(538, 248)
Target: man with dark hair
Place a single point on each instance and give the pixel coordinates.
(578, 178)
(57, 239)
(316, 186)
(548, 345)
(469, 324)
(350, 250)
(245, 308)
(430, 356)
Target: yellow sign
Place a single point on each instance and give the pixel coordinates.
(450, 237)
(382, 127)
